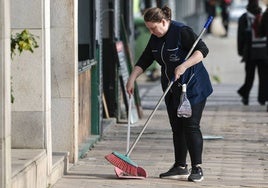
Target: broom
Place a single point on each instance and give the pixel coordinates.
(122, 161)
(127, 162)
(141, 173)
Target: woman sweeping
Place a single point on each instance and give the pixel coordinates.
(169, 44)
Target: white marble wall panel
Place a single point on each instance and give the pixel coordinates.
(62, 12)
(5, 108)
(26, 14)
(62, 112)
(29, 168)
(41, 173)
(64, 75)
(26, 179)
(62, 62)
(27, 78)
(27, 130)
(2, 80)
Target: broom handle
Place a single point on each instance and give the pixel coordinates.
(208, 22)
(150, 117)
(129, 122)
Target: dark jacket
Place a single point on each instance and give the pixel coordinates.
(170, 51)
(243, 37)
(264, 26)
(249, 45)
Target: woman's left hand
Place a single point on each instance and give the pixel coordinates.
(179, 71)
(195, 58)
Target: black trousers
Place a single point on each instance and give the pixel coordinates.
(263, 81)
(187, 135)
(250, 68)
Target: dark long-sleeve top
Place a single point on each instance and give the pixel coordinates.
(250, 44)
(264, 26)
(170, 51)
(243, 36)
(264, 23)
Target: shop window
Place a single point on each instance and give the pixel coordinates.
(86, 33)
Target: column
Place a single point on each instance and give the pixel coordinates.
(5, 107)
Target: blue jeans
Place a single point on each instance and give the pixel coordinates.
(187, 135)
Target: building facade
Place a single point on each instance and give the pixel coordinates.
(70, 88)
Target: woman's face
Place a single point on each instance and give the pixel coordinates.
(158, 29)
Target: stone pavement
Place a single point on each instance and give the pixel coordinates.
(236, 136)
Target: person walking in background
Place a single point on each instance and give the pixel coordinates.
(169, 43)
(252, 48)
(264, 33)
(225, 6)
(210, 7)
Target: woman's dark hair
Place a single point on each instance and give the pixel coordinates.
(156, 14)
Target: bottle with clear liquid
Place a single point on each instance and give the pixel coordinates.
(184, 109)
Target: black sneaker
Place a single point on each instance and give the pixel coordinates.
(196, 174)
(244, 99)
(176, 172)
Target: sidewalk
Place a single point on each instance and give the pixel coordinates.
(238, 159)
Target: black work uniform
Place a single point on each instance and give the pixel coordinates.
(264, 32)
(254, 57)
(170, 51)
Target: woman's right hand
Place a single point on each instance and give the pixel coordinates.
(130, 87)
(131, 80)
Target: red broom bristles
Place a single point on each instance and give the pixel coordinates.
(122, 164)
